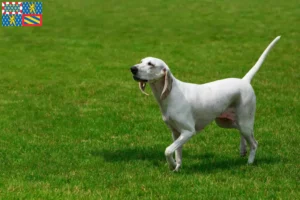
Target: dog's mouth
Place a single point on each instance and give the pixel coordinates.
(142, 84)
(139, 79)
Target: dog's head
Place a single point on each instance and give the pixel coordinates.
(150, 70)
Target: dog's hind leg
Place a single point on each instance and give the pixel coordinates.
(243, 146)
(245, 111)
(249, 137)
(245, 126)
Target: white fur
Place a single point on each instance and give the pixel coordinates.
(187, 108)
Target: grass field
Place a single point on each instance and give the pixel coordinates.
(74, 125)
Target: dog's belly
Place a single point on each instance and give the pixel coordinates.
(227, 119)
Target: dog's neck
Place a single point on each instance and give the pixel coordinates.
(157, 89)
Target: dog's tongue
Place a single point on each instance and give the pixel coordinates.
(142, 86)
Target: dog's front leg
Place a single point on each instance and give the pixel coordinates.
(177, 145)
(178, 151)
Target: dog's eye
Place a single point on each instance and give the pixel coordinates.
(151, 64)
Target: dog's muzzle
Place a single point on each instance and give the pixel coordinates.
(134, 70)
(142, 82)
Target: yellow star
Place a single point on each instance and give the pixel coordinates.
(32, 8)
(12, 20)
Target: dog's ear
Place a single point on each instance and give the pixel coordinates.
(167, 84)
(142, 86)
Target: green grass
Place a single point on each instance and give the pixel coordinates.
(74, 125)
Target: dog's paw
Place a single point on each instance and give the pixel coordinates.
(172, 166)
(177, 168)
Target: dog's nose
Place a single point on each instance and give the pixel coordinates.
(134, 70)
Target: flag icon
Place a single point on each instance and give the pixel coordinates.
(22, 13)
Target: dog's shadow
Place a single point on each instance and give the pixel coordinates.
(127, 154)
(203, 163)
(216, 164)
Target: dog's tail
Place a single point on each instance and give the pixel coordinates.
(248, 77)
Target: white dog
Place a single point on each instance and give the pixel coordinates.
(187, 108)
